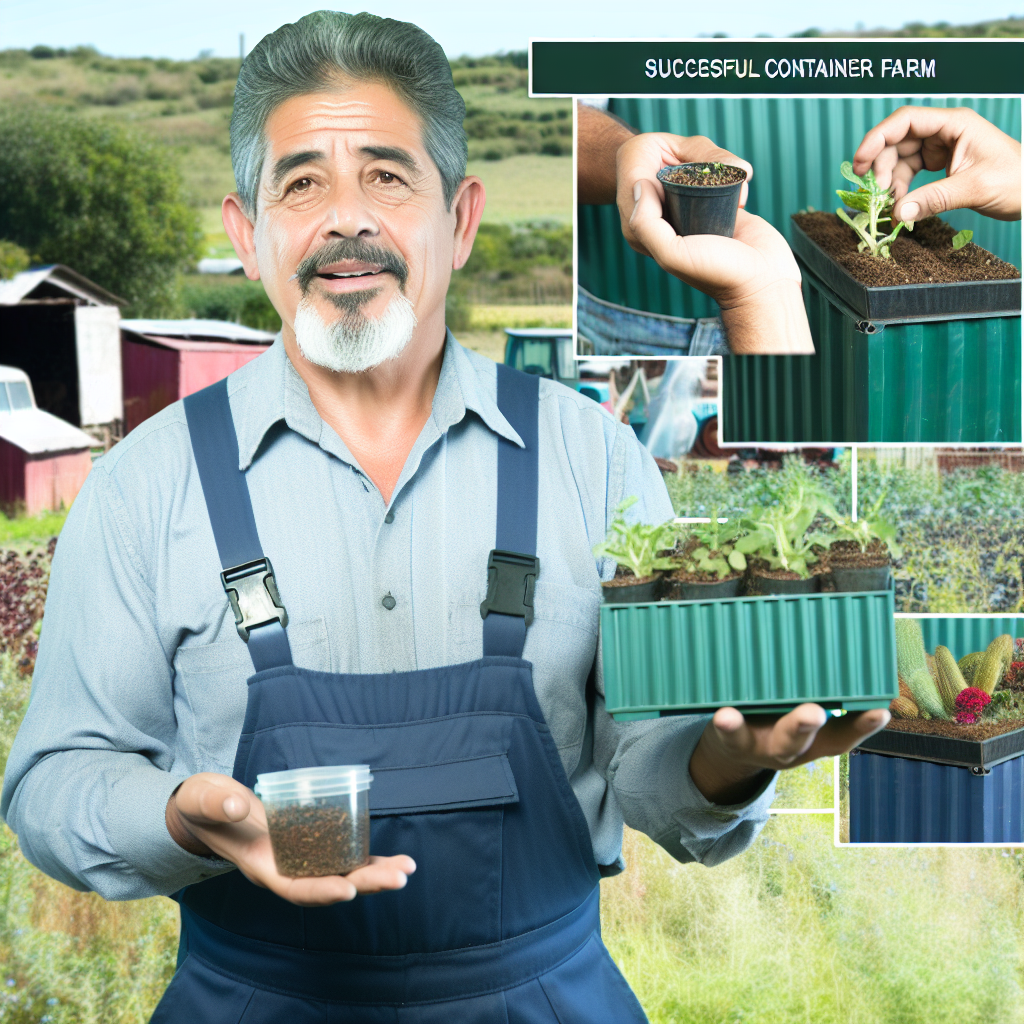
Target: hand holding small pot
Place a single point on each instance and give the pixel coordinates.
(752, 276)
(982, 163)
(214, 814)
(735, 751)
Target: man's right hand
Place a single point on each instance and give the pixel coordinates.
(213, 814)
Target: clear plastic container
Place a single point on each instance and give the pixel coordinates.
(319, 818)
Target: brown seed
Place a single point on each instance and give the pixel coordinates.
(340, 843)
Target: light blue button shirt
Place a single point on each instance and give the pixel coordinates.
(141, 676)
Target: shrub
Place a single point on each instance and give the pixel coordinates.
(99, 198)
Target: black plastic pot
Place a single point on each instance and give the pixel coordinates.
(700, 209)
(770, 585)
(688, 590)
(963, 753)
(632, 593)
(874, 577)
(906, 301)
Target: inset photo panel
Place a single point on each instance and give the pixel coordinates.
(949, 766)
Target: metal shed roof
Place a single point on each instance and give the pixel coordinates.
(37, 432)
(214, 330)
(56, 275)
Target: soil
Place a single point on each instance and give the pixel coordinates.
(925, 256)
(982, 730)
(310, 842)
(846, 554)
(758, 568)
(624, 578)
(694, 174)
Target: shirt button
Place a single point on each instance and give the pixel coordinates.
(388, 601)
(390, 517)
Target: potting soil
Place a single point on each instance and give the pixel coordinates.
(695, 175)
(925, 256)
(983, 730)
(846, 554)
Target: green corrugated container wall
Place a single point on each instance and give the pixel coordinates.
(752, 651)
(941, 382)
(795, 147)
(962, 636)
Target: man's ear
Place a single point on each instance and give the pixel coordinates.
(469, 208)
(241, 232)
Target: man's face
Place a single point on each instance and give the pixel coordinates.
(351, 211)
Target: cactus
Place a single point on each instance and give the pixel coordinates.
(994, 664)
(912, 665)
(929, 660)
(951, 682)
(903, 707)
(968, 665)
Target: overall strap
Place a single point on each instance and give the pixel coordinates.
(513, 566)
(248, 576)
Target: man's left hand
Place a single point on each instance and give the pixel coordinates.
(729, 764)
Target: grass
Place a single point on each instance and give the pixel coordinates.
(797, 932)
(27, 530)
(488, 318)
(527, 187)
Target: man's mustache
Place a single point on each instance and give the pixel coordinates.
(351, 249)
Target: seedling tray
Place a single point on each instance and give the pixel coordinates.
(901, 303)
(763, 654)
(954, 381)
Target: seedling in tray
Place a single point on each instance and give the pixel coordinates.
(637, 546)
(715, 550)
(873, 203)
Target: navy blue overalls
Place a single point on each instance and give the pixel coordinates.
(500, 921)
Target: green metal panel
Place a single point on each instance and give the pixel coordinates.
(766, 652)
(795, 146)
(964, 635)
(938, 382)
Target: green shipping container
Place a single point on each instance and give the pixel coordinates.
(962, 635)
(758, 653)
(934, 382)
(795, 146)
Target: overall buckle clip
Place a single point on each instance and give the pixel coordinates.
(253, 595)
(510, 580)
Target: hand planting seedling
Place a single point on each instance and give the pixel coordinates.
(873, 203)
(637, 546)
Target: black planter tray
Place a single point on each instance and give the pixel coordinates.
(946, 749)
(900, 303)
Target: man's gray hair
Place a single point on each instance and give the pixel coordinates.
(311, 55)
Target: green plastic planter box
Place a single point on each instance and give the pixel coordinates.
(758, 653)
(932, 382)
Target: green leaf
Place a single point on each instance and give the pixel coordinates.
(961, 238)
(738, 561)
(846, 170)
(855, 200)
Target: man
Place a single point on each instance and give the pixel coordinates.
(360, 486)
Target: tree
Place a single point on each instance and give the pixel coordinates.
(13, 259)
(100, 199)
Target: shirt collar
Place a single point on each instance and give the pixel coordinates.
(269, 389)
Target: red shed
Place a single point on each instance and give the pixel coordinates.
(164, 360)
(44, 460)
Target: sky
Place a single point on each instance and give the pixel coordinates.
(182, 29)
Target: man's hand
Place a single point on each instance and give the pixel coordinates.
(982, 163)
(752, 276)
(734, 752)
(640, 158)
(214, 814)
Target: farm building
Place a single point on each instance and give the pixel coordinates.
(63, 331)
(164, 360)
(43, 460)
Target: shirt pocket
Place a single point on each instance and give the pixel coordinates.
(214, 678)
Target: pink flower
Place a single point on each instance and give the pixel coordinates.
(970, 703)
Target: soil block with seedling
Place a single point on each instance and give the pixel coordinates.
(702, 198)
(949, 766)
(916, 334)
